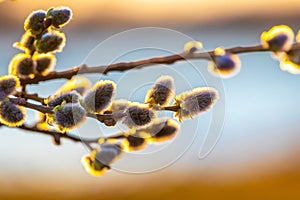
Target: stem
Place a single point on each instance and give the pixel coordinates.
(57, 135)
(69, 136)
(124, 66)
(23, 102)
(104, 118)
(33, 97)
(72, 137)
(172, 108)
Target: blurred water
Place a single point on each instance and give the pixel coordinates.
(261, 105)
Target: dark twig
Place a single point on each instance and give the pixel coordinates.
(69, 136)
(104, 69)
(124, 66)
(72, 137)
(104, 118)
(172, 108)
(23, 102)
(33, 97)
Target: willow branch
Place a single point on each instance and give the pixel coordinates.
(104, 118)
(23, 102)
(100, 117)
(124, 66)
(33, 97)
(174, 108)
(69, 136)
(57, 135)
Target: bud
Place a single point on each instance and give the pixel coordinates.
(138, 115)
(107, 154)
(11, 114)
(44, 63)
(224, 64)
(8, 84)
(162, 91)
(278, 38)
(290, 62)
(26, 44)
(192, 103)
(79, 84)
(100, 159)
(134, 143)
(100, 96)
(162, 130)
(42, 123)
(57, 100)
(34, 23)
(69, 117)
(22, 66)
(60, 16)
(192, 46)
(298, 37)
(53, 41)
(93, 168)
(119, 105)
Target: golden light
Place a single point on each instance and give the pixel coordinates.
(157, 12)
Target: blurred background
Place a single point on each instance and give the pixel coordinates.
(255, 122)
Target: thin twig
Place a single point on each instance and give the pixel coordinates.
(124, 66)
(172, 108)
(23, 102)
(53, 133)
(107, 119)
(69, 136)
(104, 118)
(33, 97)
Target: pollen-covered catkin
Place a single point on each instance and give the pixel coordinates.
(69, 116)
(53, 41)
(60, 16)
(138, 115)
(93, 168)
(26, 43)
(22, 66)
(11, 114)
(119, 105)
(44, 63)
(100, 96)
(161, 92)
(57, 100)
(192, 46)
(192, 103)
(34, 23)
(290, 61)
(108, 153)
(79, 84)
(278, 38)
(223, 64)
(8, 84)
(162, 130)
(101, 158)
(134, 143)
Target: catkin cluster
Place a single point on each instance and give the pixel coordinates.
(42, 38)
(144, 127)
(79, 99)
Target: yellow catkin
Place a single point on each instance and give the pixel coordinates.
(276, 31)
